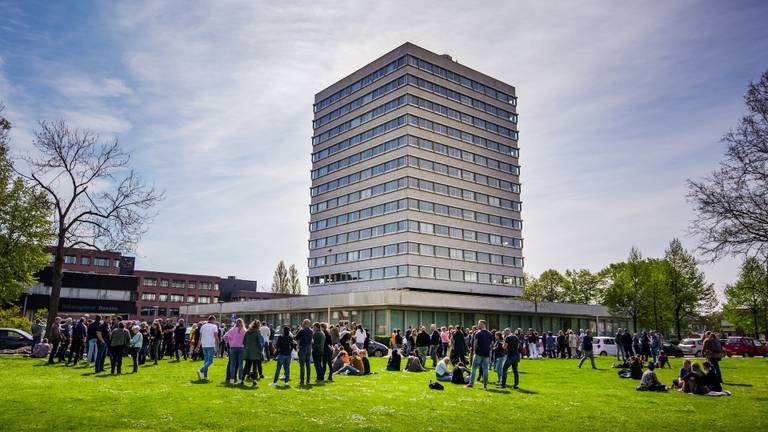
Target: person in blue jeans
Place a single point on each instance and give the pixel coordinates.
(209, 340)
(499, 356)
(512, 347)
(482, 353)
(284, 347)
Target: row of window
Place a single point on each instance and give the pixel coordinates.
(359, 84)
(419, 163)
(418, 227)
(416, 142)
(86, 260)
(363, 118)
(172, 312)
(177, 298)
(461, 80)
(152, 282)
(419, 184)
(415, 249)
(463, 117)
(417, 205)
(421, 123)
(361, 101)
(425, 272)
(461, 98)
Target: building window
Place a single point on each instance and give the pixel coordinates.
(70, 259)
(116, 263)
(164, 283)
(177, 298)
(101, 262)
(163, 297)
(203, 299)
(148, 296)
(84, 260)
(205, 285)
(190, 299)
(147, 311)
(174, 312)
(177, 283)
(150, 282)
(161, 311)
(215, 287)
(191, 284)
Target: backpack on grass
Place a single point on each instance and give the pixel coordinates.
(434, 385)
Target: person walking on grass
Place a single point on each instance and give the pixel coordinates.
(234, 338)
(327, 351)
(481, 349)
(119, 342)
(265, 337)
(253, 352)
(713, 352)
(304, 338)
(209, 340)
(512, 347)
(284, 347)
(318, 351)
(137, 340)
(586, 349)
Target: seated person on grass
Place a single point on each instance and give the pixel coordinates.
(460, 374)
(695, 382)
(339, 361)
(679, 381)
(41, 349)
(355, 366)
(441, 371)
(711, 379)
(650, 381)
(363, 354)
(395, 359)
(636, 368)
(413, 364)
(664, 360)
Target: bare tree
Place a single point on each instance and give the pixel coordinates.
(732, 202)
(294, 283)
(99, 201)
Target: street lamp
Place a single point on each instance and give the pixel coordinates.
(329, 290)
(221, 306)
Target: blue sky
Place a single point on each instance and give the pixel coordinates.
(619, 104)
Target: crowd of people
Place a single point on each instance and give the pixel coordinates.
(458, 355)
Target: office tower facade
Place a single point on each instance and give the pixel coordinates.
(415, 180)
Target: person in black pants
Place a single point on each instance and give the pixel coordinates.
(327, 352)
(626, 340)
(318, 344)
(66, 337)
(179, 337)
(168, 339)
(55, 339)
(155, 340)
(119, 342)
(79, 332)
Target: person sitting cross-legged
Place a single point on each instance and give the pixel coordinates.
(442, 373)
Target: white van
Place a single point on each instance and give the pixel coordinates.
(604, 346)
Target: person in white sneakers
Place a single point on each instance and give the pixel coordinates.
(209, 340)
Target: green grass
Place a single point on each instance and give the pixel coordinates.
(553, 395)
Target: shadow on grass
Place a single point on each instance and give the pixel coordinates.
(490, 390)
(738, 385)
(199, 382)
(524, 391)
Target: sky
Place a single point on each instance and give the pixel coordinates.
(620, 103)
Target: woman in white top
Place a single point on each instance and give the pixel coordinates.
(442, 373)
(360, 337)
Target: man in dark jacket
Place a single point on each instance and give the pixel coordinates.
(458, 347)
(55, 339)
(180, 339)
(422, 344)
(434, 344)
(79, 332)
(327, 351)
(626, 340)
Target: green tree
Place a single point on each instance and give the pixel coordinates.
(690, 296)
(625, 283)
(11, 317)
(655, 294)
(582, 286)
(532, 290)
(552, 286)
(280, 283)
(745, 300)
(25, 227)
(294, 283)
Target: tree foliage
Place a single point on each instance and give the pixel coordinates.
(280, 282)
(25, 228)
(689, 293)
(731, 203)
(294, 283)
(11, 318)
(582, 286)
(625, 283)
(747, 301)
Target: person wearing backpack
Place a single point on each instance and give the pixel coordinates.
(713, 352)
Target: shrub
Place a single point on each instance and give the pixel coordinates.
(12, 318)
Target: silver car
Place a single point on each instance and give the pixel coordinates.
(691, 347)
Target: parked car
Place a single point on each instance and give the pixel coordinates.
(691, 347)
(604, 345)
(672, 350)
(11, 338)
(377, 349)
(745, 347)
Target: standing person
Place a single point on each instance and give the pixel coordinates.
(318, 351)
(586, 349)
(37, 330)
(360, 337)
(551, 344)
(79, 333)
(168, 328)
(103, 334)
(645, 346)
(499, 356)
(253, 352)
(533, 348)
(137, 341)
(619, 340)
(327, 351)
(144, 352)
(304, 338)
(284, 348)
(422, 344)
(626, 340)
(55, 339)
(512, 346)
(408, 347)
(234, 338)
(655, 345)
(209, 340)
(445, 341)
(179, 339)
(481, 349)
(266, 337)
(713, 352)
(119, 342)
(155, 340)
(434, 344)
(93, 326)
(66, 338)
(562, 344)
(573, 341)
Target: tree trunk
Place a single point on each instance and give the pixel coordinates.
(56, 279)
(756, 325)
(678, 323)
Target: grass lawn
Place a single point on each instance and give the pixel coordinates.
(553, 395)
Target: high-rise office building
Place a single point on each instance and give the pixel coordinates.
(415, 180)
